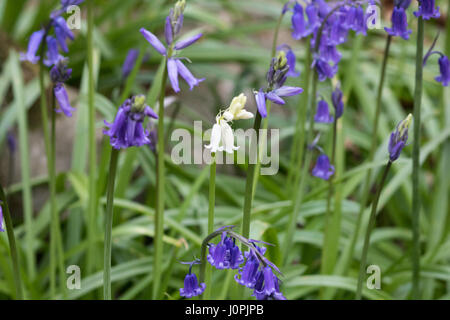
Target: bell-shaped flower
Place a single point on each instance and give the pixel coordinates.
(324, 69)
(127, 129)
(222, 137)
(323, 169)
(427, 10)
(59, 74)
(398, 138)
(444, 68)
(236, 109)
(299, 28)
(53, 55)
(226, 254)
(267, 286)
(174, 68)
(399, 24)
(62, 32)
(191, 286)
(323, 113)
(33, 46)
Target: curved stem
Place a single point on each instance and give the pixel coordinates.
(159, 214)
(416, 161)
(12, 244)
(108, 225)
(370, 226)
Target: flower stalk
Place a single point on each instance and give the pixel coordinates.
(373, 214)
(12, 244)
(108, 224)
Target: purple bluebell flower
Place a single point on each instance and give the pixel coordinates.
(63, 99)
(299, 29)
(444, 67)
(323, 169)
(267, 286)
(247, 275)
(129, 62)
(338, 104)
(127, 129)
(324, 69)
(427, 10)
(175, 67)
(62, 32)
(1, 218)
(398, 138)
(33, 46)
(323, 113)
(191, 286)
(329, 53)
(59, 74)
(53, 56)
(399, 24)
(225, 254)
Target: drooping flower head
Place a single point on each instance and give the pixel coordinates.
(398, 138)
(323, 169)
(399, 24)
(222, 137)
(427, 10)
(127, 129)
(225, 254)
(323, 113)
(276, 77)
(267, 286)
(172, 28)
(191, 285)
(444, 64)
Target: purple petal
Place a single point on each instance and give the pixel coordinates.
(187, 75)
(274, 98)
(150, 113)
(63, 100)
(286, 91)
(154, 41)
(260, 98)
(172, 70)
(168, 31)
(33, 46)
(186, 43)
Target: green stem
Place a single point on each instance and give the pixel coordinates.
(248, 196)
(12, 244)
(159, 214)
(108, 225)
(328, 257)
(212, 201)
(416, 161)
(373, 214)
(348, 252)
(92, 205)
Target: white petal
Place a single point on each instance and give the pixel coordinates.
(215, 138)
(243, 114)
(227, 137)
(227, 115)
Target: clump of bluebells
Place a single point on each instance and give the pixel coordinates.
(282, 66)
(257, 272)
(331, 22)
(175, 67)
(127, 130)
(45, 46)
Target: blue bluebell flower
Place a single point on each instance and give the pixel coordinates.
(33, 46)
(398, 138)
(59, 74)
(324, 69)
(175, 67)
(127, 129)
(338, 104)
(129, 62)
(323, 113)
(399, 24)
(62, 32)
(444, 65)
(247, 275)
(267, 286)
(323, 169)
(53, 55)
(299, 29)
(191, 285)
(226, 254)
(427, 10)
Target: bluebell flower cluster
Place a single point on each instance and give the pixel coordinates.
(398, 138)
(127, 130)
(281, 67)
(175, 66)
(50, 46)
(331, 21)
(257, 273)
